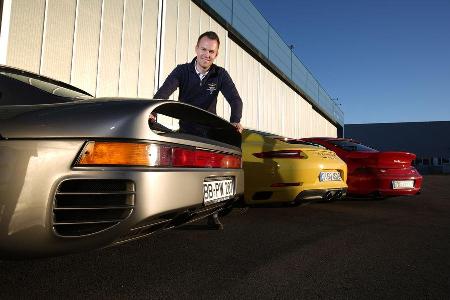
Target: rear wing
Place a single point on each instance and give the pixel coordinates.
(191, 121)
(117, 118)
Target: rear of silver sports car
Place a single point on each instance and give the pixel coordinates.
(89, 174)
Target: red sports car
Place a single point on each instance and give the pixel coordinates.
(374, 173)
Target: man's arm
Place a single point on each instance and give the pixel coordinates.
(231, 94)
(169, 86)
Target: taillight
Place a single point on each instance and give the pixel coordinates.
(282, 154)
(153, 155)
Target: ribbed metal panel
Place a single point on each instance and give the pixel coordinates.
(131, 43)
(205, 22)
(194, 27)
(185, 48)
(110, 48)
(57, 41)
(26, 31)
(148, 55)
(86, 44)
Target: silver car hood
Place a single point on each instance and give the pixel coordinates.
(110, 118)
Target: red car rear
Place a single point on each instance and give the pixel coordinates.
(371, 172)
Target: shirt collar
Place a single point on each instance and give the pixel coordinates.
(201, 75)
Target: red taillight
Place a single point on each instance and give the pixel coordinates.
(281, 154)
(154, 155)
(204, 159)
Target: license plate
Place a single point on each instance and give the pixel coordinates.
(402, 184)
(330, 176)
(217, 190)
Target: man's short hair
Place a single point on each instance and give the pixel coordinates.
(210, 35)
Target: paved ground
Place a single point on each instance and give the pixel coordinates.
(394, 248)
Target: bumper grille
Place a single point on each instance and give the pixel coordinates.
(87, 206)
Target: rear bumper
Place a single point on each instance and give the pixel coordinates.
(288, 195)
(381, 185)
(30, 179)
(321, 195)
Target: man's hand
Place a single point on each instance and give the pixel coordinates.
(238, 126)
(152, 118)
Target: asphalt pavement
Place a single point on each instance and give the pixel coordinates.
(397, 248)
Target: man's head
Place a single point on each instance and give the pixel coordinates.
(207, 49)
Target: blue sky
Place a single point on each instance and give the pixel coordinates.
(386, 60)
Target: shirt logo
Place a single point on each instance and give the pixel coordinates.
(211, 88)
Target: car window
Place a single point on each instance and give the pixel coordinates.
(351, 146)
(48, 86)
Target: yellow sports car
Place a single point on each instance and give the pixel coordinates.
(279, 169)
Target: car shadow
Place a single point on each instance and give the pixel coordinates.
(366, 199)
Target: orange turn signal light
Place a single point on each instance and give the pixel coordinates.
(114, 153)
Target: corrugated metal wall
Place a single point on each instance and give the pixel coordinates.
(107, 48)
(111, 48)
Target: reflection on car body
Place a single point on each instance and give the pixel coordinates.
(374, 173)
(84, 174)
(284, 170)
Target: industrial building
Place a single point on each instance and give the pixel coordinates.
(126, 48)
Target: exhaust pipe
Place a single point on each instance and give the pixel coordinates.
(328, 196)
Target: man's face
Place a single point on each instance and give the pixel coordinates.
(207, 50)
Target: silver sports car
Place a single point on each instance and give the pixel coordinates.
(79, 173)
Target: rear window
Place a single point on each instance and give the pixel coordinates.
(49, 87)
(352, 146)
(18, 87)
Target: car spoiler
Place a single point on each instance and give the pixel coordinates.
(112, 118)
(388, 159)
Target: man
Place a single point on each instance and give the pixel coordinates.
(200, 82)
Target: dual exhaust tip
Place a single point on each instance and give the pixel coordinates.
(333, 195)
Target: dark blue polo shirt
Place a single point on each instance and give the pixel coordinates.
(202, 93)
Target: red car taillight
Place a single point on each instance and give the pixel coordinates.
(153, 155)
(204, 159)
(282, 154)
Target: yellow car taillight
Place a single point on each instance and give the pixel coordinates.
(153, 155)
(282, 154)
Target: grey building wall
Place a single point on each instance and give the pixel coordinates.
(430, 141)
(92, 44)
(126, 48)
